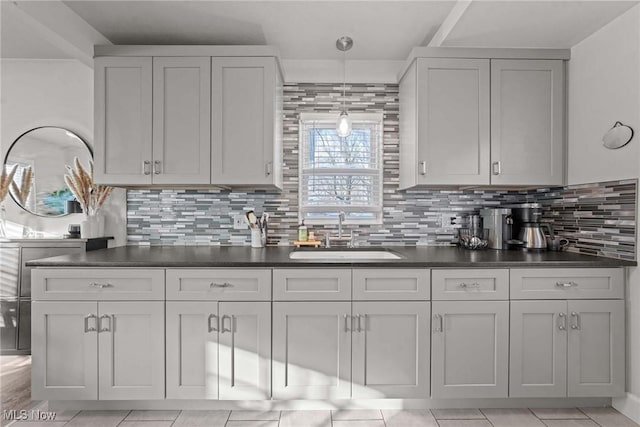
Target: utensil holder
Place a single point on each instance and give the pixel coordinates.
(256, 238)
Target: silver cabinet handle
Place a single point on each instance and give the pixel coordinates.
(220, 285)
(268, 168)
(469, 285)
(100, 285)
(146, 167)
(359, 317)
(104, 328)
(346, 322)
(223, 329)
(87, 328)
(157, 167)
(439, 326)
(577, 325)
(566, 284)
(497, 167)
(211, 328)
(423, 167)
(562, 321)
(365, 323)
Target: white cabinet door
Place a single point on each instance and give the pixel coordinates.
(311, 350)
(391, 350)
(596, 364)
(470, 349)
(453, 121)
(131, 343)
(538, 365)
(245, 350)
(243, 120)
(192, 350)
(65, 350)
(181, 120)
(122, 123)
(527, 122)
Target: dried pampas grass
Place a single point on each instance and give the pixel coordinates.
(90, 195)
(22, 192)
(6, 179)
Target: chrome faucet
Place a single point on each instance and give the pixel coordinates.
(340, 219)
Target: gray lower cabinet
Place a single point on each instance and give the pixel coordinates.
(569, 348)
(88, 350)
(470, 349)
(218, 350)
(312, 350)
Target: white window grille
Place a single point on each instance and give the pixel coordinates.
(340, 174)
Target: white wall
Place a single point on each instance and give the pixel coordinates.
(54, 93)
(604, 87)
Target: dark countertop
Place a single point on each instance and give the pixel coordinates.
(243, 256)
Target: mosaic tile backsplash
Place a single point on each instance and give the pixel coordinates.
(597, 218)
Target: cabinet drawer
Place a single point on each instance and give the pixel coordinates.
(470, 284)
(219, 284)
(320, 284)
(390, 284)
(567, 283)
(98, 284)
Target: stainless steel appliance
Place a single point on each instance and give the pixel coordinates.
(529, 228)
(498, 222)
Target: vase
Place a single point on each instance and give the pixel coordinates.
(92, 226)
(3, 221)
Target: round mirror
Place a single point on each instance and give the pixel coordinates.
(41, 156)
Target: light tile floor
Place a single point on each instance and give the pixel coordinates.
(570, 417)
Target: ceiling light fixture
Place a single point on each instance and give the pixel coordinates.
(343, 126)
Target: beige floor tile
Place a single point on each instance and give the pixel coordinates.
(152, 423)
(98, 419)
(152, 416)
(512, 417)
(202, 419)
(458, 414)
(305, 419)
(558, 413)
(464, 423)
(608, 417)
(356, 414)
(409, 418)
(254, 416)
(570, 423)
(358, 423)
(261, 423)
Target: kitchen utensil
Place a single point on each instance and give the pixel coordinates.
(556, 243)
(251, 219)
(473, 239)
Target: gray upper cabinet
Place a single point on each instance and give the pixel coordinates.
(527, 122)
(188, 120)
(181, 120)
(482, 122)
(446, 133)
(122, 123)
(245, 138)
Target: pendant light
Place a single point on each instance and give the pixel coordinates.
(343, 125)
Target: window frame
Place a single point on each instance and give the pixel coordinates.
(378, 210)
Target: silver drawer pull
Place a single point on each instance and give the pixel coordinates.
(100, 285)
(577, 324)
(157, 169)
(469, 285)
(214, 327)
(566, 284)
(437, 327)
(88, 328)
(220, 285)
(146, 167)
(562, 321)
(346, 322)
(102, 328)
(231, 328)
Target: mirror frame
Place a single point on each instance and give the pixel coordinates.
(15, 141)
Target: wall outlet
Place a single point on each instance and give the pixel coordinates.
(449, 220)
(239, 222)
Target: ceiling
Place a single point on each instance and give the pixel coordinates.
(306, 30)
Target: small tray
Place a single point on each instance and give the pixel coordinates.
(314, 243)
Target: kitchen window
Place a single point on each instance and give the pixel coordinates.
(340, 174)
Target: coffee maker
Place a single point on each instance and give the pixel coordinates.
(498, 222)
(528, 227)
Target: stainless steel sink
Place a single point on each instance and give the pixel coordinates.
(344, 255)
